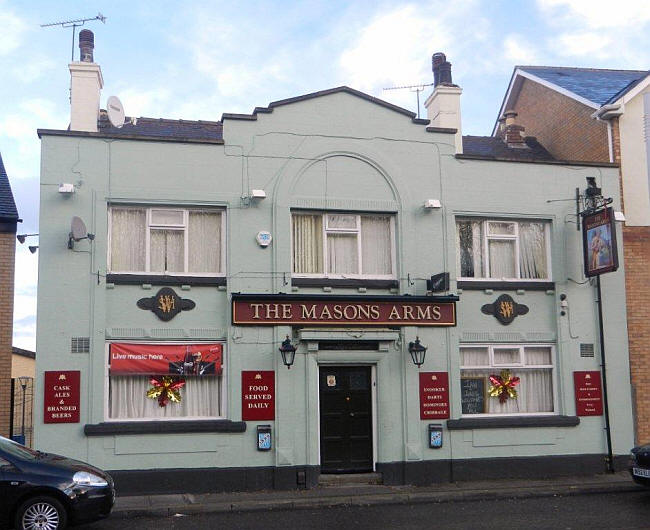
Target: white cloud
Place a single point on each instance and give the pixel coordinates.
(150, 103)
(20, 127)
(26, 275)
(517, 50)
(13, 29)
(598, 30)
(599, 14)
(391, 50)
(395, 48)
(587, 43)
(35, 68)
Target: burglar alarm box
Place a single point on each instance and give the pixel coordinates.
(435, 435)
(263, 437)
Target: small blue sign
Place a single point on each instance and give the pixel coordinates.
(435, 436)
(263, 437)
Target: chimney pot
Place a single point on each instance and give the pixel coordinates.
(86, 46)
(510, 116)
(441, 69)
(443, 105)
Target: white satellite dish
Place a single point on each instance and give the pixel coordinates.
(115, 111)
(78, 232)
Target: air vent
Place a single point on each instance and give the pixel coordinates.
(80, 345)
(586, 350)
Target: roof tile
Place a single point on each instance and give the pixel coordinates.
(8, 211)
(596, 85)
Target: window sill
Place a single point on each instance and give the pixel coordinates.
(344, 282)
(156, 279)
(510, 422)
(163, 427)
(480, 285)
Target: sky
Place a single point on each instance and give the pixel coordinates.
(198, 59)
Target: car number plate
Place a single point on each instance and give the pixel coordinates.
(640, 472)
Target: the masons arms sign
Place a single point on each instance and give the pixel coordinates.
(297, 310)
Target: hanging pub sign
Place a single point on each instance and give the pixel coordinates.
(258, 395)
(434, 395)
(166, 359)
(61, 391)
(589, 394)
(599, 242)
(273, 310)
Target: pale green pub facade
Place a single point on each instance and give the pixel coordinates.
(362, 202)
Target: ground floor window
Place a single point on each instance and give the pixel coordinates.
(482, 365)
(134, 369)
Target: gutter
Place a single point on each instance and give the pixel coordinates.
(607, 112)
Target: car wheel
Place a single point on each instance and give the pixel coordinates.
(41, 513)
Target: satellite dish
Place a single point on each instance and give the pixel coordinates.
(78, 232)
(115, 111)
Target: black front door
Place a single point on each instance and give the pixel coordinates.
(345, 419)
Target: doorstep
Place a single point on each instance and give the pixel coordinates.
(350, 479)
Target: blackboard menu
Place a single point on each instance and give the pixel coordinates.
(472, 395)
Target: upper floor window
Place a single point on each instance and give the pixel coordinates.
(166, 241)
(343, 245)
(503, 249)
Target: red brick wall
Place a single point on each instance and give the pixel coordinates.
(636, 248)
(636, 245)
(561, 124)
(7, 264)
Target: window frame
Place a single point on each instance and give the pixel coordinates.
(486, 237)
(223, 398)
(325, 229)
(522, 366)
(150, 225)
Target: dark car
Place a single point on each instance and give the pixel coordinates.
(640, 464)
(47, 491)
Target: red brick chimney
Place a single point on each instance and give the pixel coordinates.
(513, 134)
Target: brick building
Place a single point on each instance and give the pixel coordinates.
(601, 115)
(8, 222)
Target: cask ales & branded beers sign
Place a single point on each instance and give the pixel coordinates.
(61, 397)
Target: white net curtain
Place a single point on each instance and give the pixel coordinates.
(200, 397)
(168, 251)
(501, 243)
(354, 244)
(535, 390)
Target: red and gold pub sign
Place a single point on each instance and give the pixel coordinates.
(589, 393)
(61, 393)
(434, 395)
(296, 310)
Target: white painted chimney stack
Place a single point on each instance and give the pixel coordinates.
(443, 105)
(86, 83)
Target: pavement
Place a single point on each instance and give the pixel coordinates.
(355, 494)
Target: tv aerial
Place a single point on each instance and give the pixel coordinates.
(413, 88)
(78, 232)
(74, 24)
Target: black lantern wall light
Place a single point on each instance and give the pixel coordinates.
(288, 352)
(418, 352)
